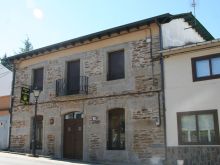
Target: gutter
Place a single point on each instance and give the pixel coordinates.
(11, 108)
(162, 87)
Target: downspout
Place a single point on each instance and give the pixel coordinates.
(158, 118)
(151, 52)
(11, 108)
(162, 87)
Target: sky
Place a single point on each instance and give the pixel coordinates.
(47, 22)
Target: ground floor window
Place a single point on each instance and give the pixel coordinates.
(39, 131)
(198, 127)
(116, 129)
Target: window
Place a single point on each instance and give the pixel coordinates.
(207, 67)
(73, 115)
(116, 131)
(39, 131)
(198, 127)
(73, 77)
(38, 78)
(116, 65)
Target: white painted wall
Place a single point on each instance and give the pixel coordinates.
(4, 131)
(175, 34)
(5, 81)
(182, 94)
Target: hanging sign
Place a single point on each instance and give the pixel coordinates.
(25, 95)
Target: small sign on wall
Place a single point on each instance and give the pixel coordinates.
(25, 95)
(51, 121)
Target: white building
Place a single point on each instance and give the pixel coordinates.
(5, 92)
(192, 87)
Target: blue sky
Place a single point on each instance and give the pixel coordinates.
(47, 22)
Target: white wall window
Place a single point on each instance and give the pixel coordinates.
(206, 67)
(198, 127)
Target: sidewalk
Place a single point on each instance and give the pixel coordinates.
(13, 158)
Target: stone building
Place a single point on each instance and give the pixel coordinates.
(102, 94)
(192, 103)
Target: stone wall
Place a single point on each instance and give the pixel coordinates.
(194, 155)
(137, 94)
(18, 142)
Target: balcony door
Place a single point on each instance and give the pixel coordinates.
(73, 77)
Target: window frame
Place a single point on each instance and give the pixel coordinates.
(34, 78)
(39, 118)
(68, 79)
(110, 77)
(116, 111)
(194, 70)
(197, 113)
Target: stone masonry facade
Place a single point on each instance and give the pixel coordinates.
(139, 94)
(193, 155)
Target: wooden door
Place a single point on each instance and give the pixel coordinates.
(73, 139)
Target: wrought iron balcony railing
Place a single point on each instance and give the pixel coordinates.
(67, 87)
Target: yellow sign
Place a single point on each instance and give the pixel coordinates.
(25, 95)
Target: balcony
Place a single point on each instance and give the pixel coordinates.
(65, 87)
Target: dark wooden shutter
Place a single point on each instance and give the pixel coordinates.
(116, 65)
(73, 77)
(38, 78)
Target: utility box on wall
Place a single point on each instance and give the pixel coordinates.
(4, 121)
(4, 131)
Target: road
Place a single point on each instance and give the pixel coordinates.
(15, 159)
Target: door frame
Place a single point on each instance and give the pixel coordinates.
(62, 133)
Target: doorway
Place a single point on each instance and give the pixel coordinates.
(73, 136)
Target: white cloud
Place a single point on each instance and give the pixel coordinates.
(38, 13)
(30, 4)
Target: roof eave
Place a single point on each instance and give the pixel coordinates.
(164, 18)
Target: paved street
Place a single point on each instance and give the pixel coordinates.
(15, 159)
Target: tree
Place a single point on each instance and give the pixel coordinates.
(4, 61)
(27, 46)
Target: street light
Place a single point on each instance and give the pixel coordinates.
(36, 93)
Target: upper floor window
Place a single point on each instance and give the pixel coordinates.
(198, 127)
(116, 129)
(116, 68)
(73, 77)
(207, 67)
(38, 75)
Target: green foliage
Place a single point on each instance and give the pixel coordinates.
(4, 61)
(27, 46)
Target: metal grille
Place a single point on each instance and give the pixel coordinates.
(62, 87)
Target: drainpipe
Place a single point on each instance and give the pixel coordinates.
(158, 118)
(162, 86)
(11, 108)
(151, 51)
